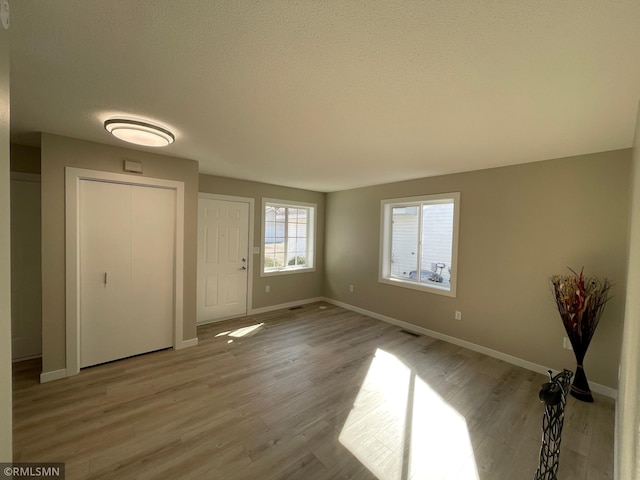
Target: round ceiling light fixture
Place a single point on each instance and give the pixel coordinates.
(139, 132)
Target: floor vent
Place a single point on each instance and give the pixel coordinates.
(413, 334)
(296, 308)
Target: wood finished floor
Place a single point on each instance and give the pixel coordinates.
(312, 394)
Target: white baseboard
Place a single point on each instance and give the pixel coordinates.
(297, 303)
(192, 342)
(596, 387)
(62, 373)
(28, 357)
(53, 375)
(218, 320)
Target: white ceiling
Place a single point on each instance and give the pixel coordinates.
(334, 94)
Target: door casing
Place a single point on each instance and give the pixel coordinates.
(73, 177)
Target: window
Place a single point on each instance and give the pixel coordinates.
(288, 231)
(419, 244)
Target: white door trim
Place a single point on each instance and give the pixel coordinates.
(73, 177)
(251, 202)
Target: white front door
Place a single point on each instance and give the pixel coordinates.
(223, 259)
(127, 260)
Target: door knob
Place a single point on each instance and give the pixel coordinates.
(244, 267)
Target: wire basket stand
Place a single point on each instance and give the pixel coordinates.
(554, 396)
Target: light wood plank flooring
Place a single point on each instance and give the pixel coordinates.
(311, 394)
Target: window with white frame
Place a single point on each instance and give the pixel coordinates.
(288, 231)
(419, 242)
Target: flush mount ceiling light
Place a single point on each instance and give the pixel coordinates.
(139, 132)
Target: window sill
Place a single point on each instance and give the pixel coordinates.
(423, 287)
(290, 271)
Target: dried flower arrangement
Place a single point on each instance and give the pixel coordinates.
(580, 302)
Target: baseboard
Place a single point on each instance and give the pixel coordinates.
(53, 375)
(218, 320)
(28, 357)
(62, 373)
(595, 387)
(297, 303)
(192, 342)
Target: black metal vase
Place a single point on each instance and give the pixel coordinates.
(580, 386)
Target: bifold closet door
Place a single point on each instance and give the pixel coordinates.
(126, 257)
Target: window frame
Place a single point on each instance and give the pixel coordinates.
(311, 234)
(384, 271)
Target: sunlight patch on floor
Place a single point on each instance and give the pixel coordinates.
(400, 429)
(242, 332)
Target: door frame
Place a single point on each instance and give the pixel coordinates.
(250, 247)
(73, 177)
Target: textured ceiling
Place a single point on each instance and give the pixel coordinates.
(329, 95)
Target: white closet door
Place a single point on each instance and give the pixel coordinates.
(127, 250)
(152, 266)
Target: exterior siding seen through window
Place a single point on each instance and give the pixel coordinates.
(288, 237)
(420, 231)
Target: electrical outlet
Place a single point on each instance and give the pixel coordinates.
(351, 288)
(267, 289)
(566, 343)
(458, 315)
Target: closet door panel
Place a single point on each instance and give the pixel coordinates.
(153, 247)
(105, 271)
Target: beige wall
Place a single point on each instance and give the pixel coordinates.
(5, 270)
(518, 226)
(627, 466)
(58, 152)
(25, 159)
(284, 288)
